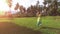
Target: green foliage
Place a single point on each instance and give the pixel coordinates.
(58, 10)
(52, 7)
(32, 10)
(58, 3)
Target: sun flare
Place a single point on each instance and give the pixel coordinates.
(3, 5)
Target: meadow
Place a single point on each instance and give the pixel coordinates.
(50, 24)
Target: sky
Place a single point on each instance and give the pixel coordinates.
(26, 3)
(58, 0)
(3, 5)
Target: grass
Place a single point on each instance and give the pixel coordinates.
(48, 21)
(51, 23)
(28, 22)
(4, 20)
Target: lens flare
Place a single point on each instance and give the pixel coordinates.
(3, 6)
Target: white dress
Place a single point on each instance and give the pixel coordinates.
(39, 21)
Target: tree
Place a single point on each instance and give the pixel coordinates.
(21, 12)
(55, 8)
(52, 7)
(17, 6)
(49, 2)
(33, 10)
(9, 2)
(58, 11)
(45, 3)
(58, 3)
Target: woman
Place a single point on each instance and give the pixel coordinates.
(39, 23)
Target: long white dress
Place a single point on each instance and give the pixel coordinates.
(39, 20)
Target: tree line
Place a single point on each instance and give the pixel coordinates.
(52, 9)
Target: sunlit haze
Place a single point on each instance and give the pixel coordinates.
(26, 3)
(3, 5)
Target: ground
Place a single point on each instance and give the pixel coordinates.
(50, 25)
(11, 28)
(8, 26)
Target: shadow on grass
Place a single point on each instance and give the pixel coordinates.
(51, 28)
(11, 28)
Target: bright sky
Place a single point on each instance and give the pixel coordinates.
(25, 3)
(3, 5)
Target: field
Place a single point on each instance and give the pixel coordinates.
(50, 24)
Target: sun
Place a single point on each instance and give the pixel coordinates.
(3, 5)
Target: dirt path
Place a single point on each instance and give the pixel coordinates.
(11, 28)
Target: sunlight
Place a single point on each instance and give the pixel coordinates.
(3, 6)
